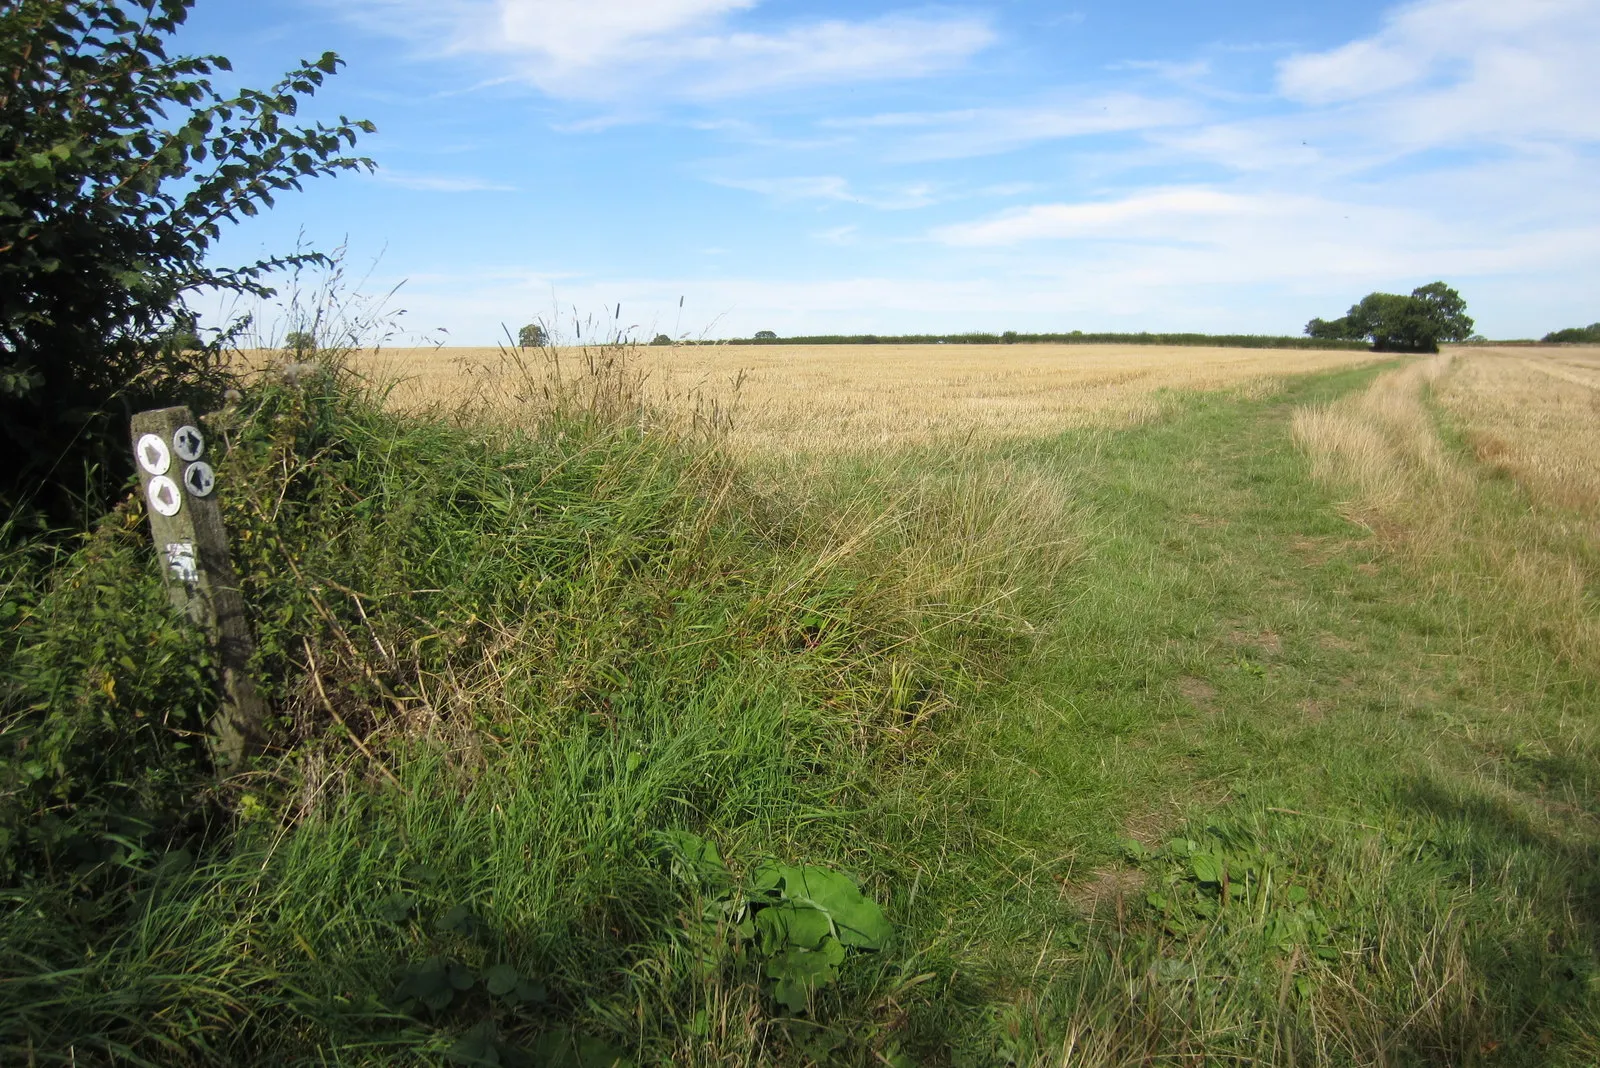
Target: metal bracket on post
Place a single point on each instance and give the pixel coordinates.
(179, 486)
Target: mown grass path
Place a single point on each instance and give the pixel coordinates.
(1235, 658)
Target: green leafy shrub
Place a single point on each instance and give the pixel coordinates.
(118, 167)
(103, 702)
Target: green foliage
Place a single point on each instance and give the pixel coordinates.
(661, 339)
(1336, 330)
(532, 336)
(1445, 312)
(800, 921)
(300, 344)
(766, 335)
(1575, 335)
(1394, 323)
(104, 693)
(1227, 881)
(118, 167)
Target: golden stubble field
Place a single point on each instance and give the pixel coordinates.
(842, 397)
(1533, 413)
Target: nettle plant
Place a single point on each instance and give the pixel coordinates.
(801, 922)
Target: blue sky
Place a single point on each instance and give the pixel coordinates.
(817, 167)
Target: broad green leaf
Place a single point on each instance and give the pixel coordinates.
(396, 908)
(788, 924)
(1207, 867)
(430, 983)
(500, 980)
(479, 1047)
(694, 857)
(858, 919)
(458, 920)
(567, 1049)
(800, 972)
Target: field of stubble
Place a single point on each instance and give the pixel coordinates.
(834, 397)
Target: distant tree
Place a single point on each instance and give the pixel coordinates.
(532, 336)
(300, 343)
(661, 339)
(1009, 337)
(119, 165)
(1447, 312)
(1395, 323)
(1576, 335)
(1336, 330)
(766, 335)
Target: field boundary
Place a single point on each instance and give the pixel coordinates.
(1075, 337)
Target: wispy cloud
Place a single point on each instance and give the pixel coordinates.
(831, 188)
(619, 50)
(1131, 217)
(440, 183)
(933, 135)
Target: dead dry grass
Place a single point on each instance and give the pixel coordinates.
(831, 398)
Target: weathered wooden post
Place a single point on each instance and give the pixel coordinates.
(192, 546)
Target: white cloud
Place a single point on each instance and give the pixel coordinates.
(615, 50)
(1211, 210)
(1443, 72)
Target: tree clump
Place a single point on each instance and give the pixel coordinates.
(1575, 335)
(118, 167)
(532, 336)
(1396, 323)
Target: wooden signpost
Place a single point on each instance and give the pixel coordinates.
(179, 486)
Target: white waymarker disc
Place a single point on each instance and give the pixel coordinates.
(200, 479)
(165, 497)
(189, 443)
(153, 454)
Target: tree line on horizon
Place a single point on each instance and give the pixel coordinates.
(1385, 322)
